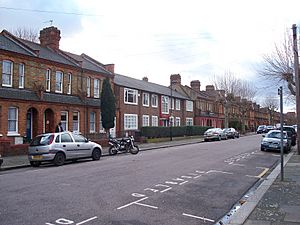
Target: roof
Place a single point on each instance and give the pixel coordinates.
(9, 42)
(129, 82)
(28, 95)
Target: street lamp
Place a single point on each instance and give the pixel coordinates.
(170, 117)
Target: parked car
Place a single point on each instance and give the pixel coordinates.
(214, 134)
(291, 132)
(1, 160)
(272, 141)
(59, 147)
(295, 127)
(261, 129)
(269, 128)
(231, 133)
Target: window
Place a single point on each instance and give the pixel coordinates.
(145, 121)
(177, 121)
(171, 121)
(69, 83)
(7, 70)
(78, 138)
(130, 122)
(189, 121)
(12, 120)
(88, 87)
(96, 88)
(101, 128)
(48, 80)
(64, 120)
(189, 106)
(59, 82)
(154, 100)
(154, 121)
(92, 122)
(165, 105)
(21, 75)
(76, 121)
(177, 104)
(130, 96)
(145, 99)
(65, 138)
(171, 103)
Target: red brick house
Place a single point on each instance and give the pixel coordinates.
(41, 85)
(142, 103)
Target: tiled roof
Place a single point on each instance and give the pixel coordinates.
(28, 95)
(129, 82)
(11, 43)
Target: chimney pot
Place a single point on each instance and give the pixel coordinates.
(145, 79)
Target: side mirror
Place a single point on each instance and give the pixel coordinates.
(87, 140)
(263, 135)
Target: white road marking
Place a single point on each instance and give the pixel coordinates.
(237, 164)
(218, 171)
(276, 155)
(198, 217)
(183, 182)
(88, 220)
(188, 177)
(138, 203)
(166, 190)
(197, 171)
(197, 176)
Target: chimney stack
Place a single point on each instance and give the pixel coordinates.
(50, 37)
(145, 79)
(110, 67)
(175, 79)
(195, 85)
(210, 88)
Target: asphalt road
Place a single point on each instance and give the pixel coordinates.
(190, 184)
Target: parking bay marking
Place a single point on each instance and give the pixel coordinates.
(138, 203)
(198, 217)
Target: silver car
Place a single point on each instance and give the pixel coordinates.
(59, 147)
(214, 134)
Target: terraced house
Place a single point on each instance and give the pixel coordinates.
(41, 85)
(142, 103)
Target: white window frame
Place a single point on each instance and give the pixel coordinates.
(96, 88)
(171, 103)
(88, 87)
(7, 73)
(21, 75)
(146, 121)
(145, 99)
(189, 121)
(154, 121)
(76, 125)
(164, 104)
(12, 120)
(59, 80)
(177, 104)
(69, 83)
(154, 100)
(64, 123)
(92, 122)
(189, 106)
(130, 121)
(177, 121)
(101, 128)
(48, 80)
(134, 93)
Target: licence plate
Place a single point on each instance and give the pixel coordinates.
(37, 157)
(273, 146)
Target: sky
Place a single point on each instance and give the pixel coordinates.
(197, 39)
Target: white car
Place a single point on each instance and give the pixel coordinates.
(214, 134)
(59, 147)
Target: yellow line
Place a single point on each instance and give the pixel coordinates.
(263, 173)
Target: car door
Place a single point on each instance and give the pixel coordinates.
(68, 146)
(83, 146)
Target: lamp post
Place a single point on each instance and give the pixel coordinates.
(170, 117)
(281, 130)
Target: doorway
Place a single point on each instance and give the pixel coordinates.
(48, 125)
(31, 123)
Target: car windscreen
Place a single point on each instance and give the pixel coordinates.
(276, 135)
(42, 140)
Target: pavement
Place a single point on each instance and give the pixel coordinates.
(273, 202)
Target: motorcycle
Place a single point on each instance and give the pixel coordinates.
(125, 145)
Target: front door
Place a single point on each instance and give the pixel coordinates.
(29, 116)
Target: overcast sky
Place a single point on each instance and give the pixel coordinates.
(156, 38)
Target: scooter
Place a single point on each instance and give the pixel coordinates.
(124, 145)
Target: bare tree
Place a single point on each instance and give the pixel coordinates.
(278, 65)
(26, 34)
(272, 105)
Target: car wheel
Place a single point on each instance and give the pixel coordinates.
(219, 138)
(59, 159)
(35, 163)
(96, 154)
(262, 149)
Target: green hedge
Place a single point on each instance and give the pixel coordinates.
(158, 132)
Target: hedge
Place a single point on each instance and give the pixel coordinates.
(158, 132)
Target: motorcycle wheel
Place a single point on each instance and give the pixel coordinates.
(134, 150)
(112, 150)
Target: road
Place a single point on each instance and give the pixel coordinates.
(190, 184)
